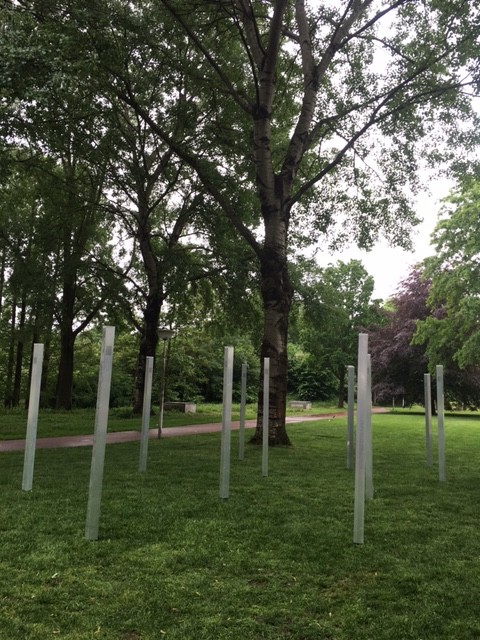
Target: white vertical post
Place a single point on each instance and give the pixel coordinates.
(147, 407)
(350, 415)
(266, 415)
(368, 435)
(32, 420)
(243, 402)
(226, 423)
(362, 385)
(440, 424)
(427, 383)
(100, 435)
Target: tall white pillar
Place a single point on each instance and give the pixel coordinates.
(362, 388)
(100, 435)
(441, 424)
(243, 402)
(266, 414)
(147, 407)
(350, 415)
(427, 383)
(32, 420)
(226, 423)
(368, 434)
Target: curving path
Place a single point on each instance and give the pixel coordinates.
(62, 442)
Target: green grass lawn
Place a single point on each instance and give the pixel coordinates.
(274, 561)
(13, 423)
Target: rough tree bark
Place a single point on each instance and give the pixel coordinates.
(80, 220)
(11, 356)
(151, 312)
(262, 28)
(17, 377)
(64, 388)
(277, 295)
(149, 170)
(3, 264)
(274, 190)
(274, 186)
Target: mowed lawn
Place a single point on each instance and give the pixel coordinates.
(274, 561)
(13, 423)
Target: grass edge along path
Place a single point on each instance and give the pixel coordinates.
(274, 562)
(119, 437)
(52, 423)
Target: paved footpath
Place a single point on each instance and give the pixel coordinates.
(63, 442)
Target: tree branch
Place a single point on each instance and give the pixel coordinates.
(90, 316)
(237, 95)
(202, 168)
(256, 50)
(312, 74)
(374, 119)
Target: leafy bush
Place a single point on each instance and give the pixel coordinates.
(307, 379)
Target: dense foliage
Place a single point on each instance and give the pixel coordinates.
(397, 365)
(334, 304)
(161, 161)
(402, 353)
(450, 333)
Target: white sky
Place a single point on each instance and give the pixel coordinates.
(389, 266)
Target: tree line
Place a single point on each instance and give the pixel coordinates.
(434, 316)
(161, 163)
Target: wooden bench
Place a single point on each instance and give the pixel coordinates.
(184, 407)
(300, 404)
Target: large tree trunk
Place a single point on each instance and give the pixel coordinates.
(148, 347)
(154, 300)
(277, 295)
(64, 389)
(274, 179)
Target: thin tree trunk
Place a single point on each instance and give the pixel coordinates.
(35, 339)
(78, 229)
(45, 325)
(11, 357)
(341, 386)
(45, 400)
(154, 299)
(17, 378)
(148, 347)
(64, 388)
(3, 264)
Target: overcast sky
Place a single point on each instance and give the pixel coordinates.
(389, 266)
